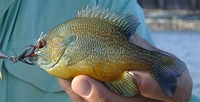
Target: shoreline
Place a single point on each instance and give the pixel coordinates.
(172, 20)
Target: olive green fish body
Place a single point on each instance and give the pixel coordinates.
(101, 48)
(96, 44)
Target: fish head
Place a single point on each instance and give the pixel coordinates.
(48, 51)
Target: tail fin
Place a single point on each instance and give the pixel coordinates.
(165, 69)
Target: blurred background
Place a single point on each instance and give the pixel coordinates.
(178, 15)
(175, 27)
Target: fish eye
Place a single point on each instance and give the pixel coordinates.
(41, 44)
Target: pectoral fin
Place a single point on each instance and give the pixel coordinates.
(125, 85)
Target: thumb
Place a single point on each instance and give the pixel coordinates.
(94, 91)
(90, 89)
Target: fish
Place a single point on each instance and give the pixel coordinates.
(96, 43)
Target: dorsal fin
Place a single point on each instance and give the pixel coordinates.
(126, 22)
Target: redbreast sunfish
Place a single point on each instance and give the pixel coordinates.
(96, 44)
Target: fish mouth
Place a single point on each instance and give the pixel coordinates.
(43, 60)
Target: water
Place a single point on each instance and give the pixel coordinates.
(186, 46)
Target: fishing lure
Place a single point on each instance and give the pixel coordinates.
(28, 52)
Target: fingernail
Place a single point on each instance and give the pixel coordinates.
(137, 78)
(81, 87)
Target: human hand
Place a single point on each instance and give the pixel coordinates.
(83, 88)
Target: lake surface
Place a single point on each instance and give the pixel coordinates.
(186, 46)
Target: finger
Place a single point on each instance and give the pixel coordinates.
(94, 91)
(66, 85)
(184, 85)
(150, 88)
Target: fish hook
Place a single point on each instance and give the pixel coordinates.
(29, 52)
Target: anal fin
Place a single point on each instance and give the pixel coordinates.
(125, 85)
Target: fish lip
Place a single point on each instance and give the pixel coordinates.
(41, 63)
